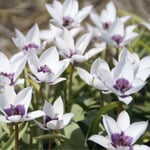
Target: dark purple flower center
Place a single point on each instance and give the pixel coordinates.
(119, 140)
(67, 21)
(106, 25)
(44, 69)
(30, 46)
(15, 110)
(117, 38)
(10, 76)
(47, 119)
(122, 85)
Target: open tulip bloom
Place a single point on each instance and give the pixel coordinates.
(10, 69)
(122, 79)
(54, 116)
(47, 68)
(107, 17)
(76, 51)
(121, 134)
(31, 42)
(15, 106)
(67, 14)
(119, 35)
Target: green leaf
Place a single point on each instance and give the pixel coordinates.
(11, 142)
(78, 112)
(93, 129)
(74, 138)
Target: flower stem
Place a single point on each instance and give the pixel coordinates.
(39, 93)
(101, 100)
(31, 138)
(16, 137)
(70, 89)
(120, 107)
(49, 145)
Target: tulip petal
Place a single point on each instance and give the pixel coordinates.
(100, 140)
(123, 120)
(136, 130)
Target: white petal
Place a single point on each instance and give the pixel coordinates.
(70, 8)
(117, 28)
(110, 125)
(111, 11)
(94, 17)
(17, 62)
(55, 124)
(66, 118)
(105, 77)
(78, 59)
(35, 114)
(136, 130)
(124, 70)
(99, 64)
(83, 13)
(33, 36)
(137, 85)
(24, 98)
(15, 118)
(84, 75)
(123, 120)
(83, 42)
(4, 63)
(53, 12)
(92, 52)
(3, 119)
(126, 99)
(141, 147)
(68, 39)
(60, 67)
(125, 18)
(144, 63)
(7, 97)
(56, 81)
(100, 140)
(49, 109)
(59, 106)
(41, 125)
(143, 74)
(50, 57)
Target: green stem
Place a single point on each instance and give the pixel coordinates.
(31, 138)
(101, 100)
(25, 73)
(70, 89)
(49, 145)
(16, 137)
(39, 94)
(120, 107)
(117, 53)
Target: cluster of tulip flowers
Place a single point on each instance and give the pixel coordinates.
(46, 56)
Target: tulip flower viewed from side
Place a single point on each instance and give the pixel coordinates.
(47, 68)
(15, 106)
(54, 116)
(67, 14)
(121, 134)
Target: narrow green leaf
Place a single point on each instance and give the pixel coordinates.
(93, 129)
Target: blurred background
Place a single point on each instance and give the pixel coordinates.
(22, 15)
